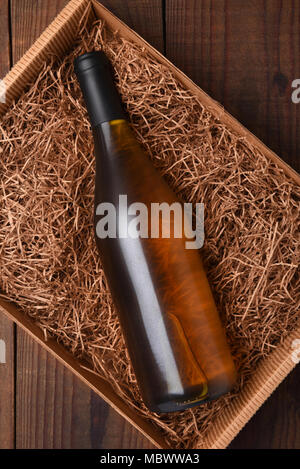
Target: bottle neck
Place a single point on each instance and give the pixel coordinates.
(101, 97)
(113, 139)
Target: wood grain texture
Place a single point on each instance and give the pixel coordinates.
(7, 386)
(276, 425)
(144, 16)
(7, 327)
(54, 409)
(52, 406)
(29, 18)
(5, 38)
(245, 55)
(111, 431)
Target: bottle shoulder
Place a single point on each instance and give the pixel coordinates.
(124, 167)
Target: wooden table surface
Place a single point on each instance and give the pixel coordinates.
(245, 54)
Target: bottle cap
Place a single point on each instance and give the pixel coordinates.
(95, 75)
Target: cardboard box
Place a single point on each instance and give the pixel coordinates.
(57, 38)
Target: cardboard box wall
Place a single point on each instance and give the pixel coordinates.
(57, 39)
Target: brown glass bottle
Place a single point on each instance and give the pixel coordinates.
(172, 329)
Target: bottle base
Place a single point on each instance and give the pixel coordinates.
(176, 406)
(181, 404)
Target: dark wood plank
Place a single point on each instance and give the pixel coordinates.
(5, 39)
(277, 423)
(110, 431)
(7, 434)
(53, 408)
(7, 398)
(245, 55)
(29, 18)
(144, 16)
